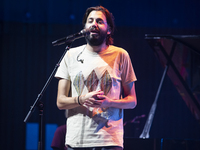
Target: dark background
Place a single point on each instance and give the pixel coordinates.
(27, 28)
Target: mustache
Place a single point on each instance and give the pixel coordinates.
(94, 29)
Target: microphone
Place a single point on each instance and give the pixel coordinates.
(72, 37)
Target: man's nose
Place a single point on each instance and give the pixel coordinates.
(93, 27)
(95, 23)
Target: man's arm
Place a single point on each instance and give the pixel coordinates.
(66, 102)
(130, 99)
(63, 101)
(128, 102)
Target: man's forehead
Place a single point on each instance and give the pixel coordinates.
(96, 14)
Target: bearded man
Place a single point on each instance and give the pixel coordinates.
(95, 74)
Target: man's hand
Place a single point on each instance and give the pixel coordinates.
(100, 100)
(97, 100)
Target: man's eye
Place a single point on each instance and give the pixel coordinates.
(90, 21)
(100, 22)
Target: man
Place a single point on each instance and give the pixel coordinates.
(96, 74)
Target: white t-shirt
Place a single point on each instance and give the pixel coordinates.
(106, 71)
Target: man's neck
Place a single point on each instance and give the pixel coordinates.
(97, 49)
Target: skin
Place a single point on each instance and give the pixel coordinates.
(95, 98)
(97, 20)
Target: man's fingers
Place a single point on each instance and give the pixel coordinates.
(101, 96)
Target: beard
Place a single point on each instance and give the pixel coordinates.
(96, 39)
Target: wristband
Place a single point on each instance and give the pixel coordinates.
(79, 101)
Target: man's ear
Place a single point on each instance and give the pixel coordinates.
(108, 32)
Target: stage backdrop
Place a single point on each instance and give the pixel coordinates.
(27, 29)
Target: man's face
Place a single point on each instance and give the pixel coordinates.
(97, 35)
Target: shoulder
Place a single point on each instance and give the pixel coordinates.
(77, 49)
(119, 50)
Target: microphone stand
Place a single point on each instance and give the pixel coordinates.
(40, 104)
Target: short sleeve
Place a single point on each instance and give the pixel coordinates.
(128, 74)
(63, 71)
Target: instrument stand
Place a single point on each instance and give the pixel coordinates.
(147, 127)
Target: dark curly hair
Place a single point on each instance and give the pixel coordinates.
(109, 19)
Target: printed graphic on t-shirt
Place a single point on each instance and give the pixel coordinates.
(92, 82)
